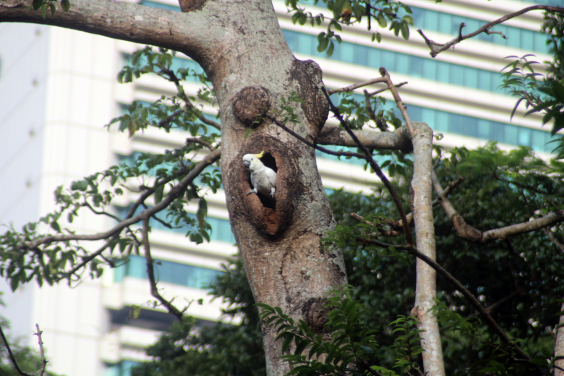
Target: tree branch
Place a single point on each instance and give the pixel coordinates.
(190, 33)
(373, 164)
(437, 48)
(12, 358)
(421, 191)
(468, 232)
(41, 352)
(151, 273)
(174, 193)
(356, 86)
(396, 140)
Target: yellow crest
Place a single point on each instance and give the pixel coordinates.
(259, 155)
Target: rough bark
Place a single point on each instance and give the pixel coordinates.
(559, 346)
(245, 55)
(396, 140)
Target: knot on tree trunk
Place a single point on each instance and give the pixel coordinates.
(270, 216)
(307, 75)
(251, 104)
(190, 5)
(315, 313)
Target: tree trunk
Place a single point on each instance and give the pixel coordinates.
(559, 346)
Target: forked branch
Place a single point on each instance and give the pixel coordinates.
(468, 232)
(437, 48)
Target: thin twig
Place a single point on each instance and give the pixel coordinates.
(459, 286)
(12, 358)
(356, 86)
(41, 352)
(151, 273)
(437, 48)
(374, 166)
(384, 89)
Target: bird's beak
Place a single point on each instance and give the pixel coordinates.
(247, 164)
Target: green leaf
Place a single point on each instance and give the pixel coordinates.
(405, 30)
(248, 132)
(81, 185)
(159, 193)
(43, 10)
(65, 4)
(330, 49)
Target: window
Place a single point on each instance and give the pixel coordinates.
(167, 271)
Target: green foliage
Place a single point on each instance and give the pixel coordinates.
(346, 345)
(519, 276)
(383, 13)
(26, 255)
(190, 348)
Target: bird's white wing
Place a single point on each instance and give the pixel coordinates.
(271, 177)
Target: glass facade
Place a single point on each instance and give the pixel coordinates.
(122, 368)
(413, 66)
(167, 271)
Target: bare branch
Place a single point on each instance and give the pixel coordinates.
(437, 48)
(421, 191)
(41, 352)
(356, 86)
(396, 140)
(12, 358)
(151, 273)
(174, 193)
(384, 89)
(468, 232)
(459, 286)
(373, 164)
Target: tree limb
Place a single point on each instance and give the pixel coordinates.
(190, 32)
(437, 48)
(468, 232)
(396, 140)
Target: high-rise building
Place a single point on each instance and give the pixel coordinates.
(58, 89)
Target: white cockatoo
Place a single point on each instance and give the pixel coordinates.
(263, 178)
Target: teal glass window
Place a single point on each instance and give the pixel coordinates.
(122, 368)
(398, 62)
(168, 272)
